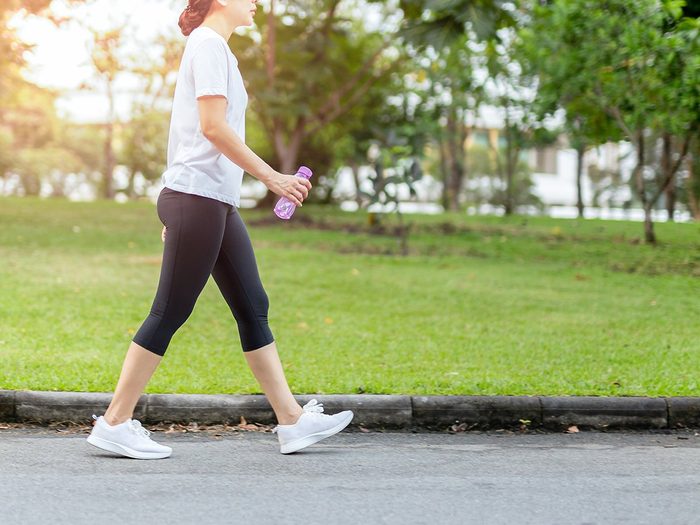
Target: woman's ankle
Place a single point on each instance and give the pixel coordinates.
(289, 419)
(115, 420)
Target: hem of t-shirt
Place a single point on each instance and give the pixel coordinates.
(203, 92)
(203, 193)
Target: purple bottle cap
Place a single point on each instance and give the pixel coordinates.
(305, 172)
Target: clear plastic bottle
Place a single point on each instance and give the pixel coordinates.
(284, 207)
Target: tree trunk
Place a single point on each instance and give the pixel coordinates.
(268, 201)
(510, 169)
(288, 155)
(451, 197)
(108, 162)
(57, 186)
(287, 142)
(444, 169)
(671, 198)
(108, 149)
(649, 236)
(462, 150)
(403, 232)
(693, 185)
(455, 171)
(666, 161)
(130, 189)
(31, 183)
(580, 151)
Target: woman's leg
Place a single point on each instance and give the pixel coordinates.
(195, 227)
(137, 370)
(265, 364)
(236, 275)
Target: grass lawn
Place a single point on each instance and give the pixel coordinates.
(481, 305)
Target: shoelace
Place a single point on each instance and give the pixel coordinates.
(312, 407)
(135, 425)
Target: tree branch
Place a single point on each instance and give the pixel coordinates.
(327, 23)
(271, 43)
(334, 98)
(673, 170)
(614, 112)
(338, 109)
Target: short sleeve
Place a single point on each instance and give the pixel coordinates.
(210, 68)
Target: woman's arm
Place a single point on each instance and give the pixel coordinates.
(212, 114)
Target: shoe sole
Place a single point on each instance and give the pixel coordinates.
(110, 446)
(298, 444)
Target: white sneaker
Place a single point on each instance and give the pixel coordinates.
(128, 439)
(311, 427)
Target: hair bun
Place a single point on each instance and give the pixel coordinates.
(193, 15)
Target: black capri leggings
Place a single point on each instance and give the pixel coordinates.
(204, 236)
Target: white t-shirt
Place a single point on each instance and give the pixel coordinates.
(208, 67)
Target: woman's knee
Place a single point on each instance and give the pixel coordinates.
(263, 306)
(162, 322)
(253, 326)
(256, 312)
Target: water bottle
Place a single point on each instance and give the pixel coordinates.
(284, 207)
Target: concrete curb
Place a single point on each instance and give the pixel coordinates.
(371, 411)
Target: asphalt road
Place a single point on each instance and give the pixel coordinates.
(48, 476)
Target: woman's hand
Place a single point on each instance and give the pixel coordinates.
(296, 189)
(162, 235)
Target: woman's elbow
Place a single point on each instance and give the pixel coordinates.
(211, 131)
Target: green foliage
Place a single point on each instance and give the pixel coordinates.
(86, 142)
(401, 169)
(35, 165)
(322, 79)
(145, 140)
(634, 64)
(12, 50)
(603, 180)
(346, 140)
(34, 141)
(483, 162)
(439, 23)
(548, 61)
(618, 58)
(393, 167)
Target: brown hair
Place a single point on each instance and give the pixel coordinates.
(193, 15)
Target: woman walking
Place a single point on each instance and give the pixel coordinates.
(204, 235)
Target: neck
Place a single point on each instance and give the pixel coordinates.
(219, 24)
